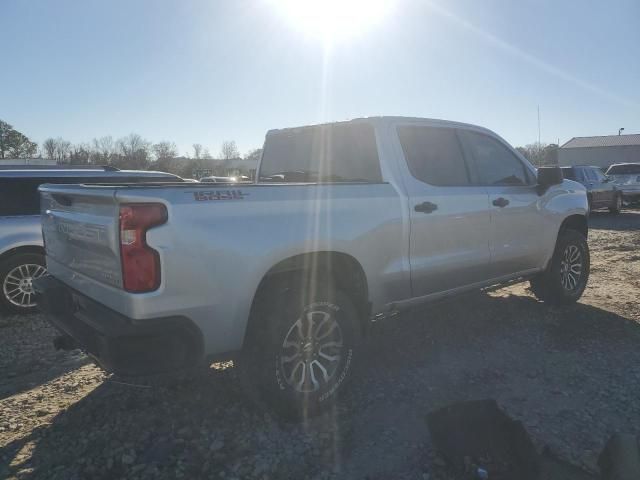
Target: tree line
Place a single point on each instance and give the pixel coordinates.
(136, 153)
(132, 152)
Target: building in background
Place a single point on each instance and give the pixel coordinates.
(600, 151)
(17, 162)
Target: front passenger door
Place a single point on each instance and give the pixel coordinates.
(516, 220)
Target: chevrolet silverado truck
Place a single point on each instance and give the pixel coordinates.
(346, 224)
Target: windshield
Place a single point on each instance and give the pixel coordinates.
(629, 169)
(326, 153)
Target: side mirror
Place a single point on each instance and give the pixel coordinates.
(547, 177)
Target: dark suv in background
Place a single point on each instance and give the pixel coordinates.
(21, 249)
(601, 191)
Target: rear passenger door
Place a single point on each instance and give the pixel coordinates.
(449, 239)
(516, 219)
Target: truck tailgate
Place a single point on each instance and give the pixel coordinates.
(80, 230)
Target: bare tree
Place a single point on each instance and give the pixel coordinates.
(540, 154)
(164, 150)
(134, 152)
(80, 154)
(63, 147)
(229, 150)
(254, 155)
(49, 147)
(103, 148)
(197, 151)
(206, 155)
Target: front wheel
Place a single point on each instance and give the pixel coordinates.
(301, 349)
(16, 276)
(566, 276)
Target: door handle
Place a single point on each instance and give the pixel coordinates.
(501, 202)
(425, 207)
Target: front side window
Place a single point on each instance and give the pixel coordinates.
(434, 155)
(600, 177)
(569, 172)
(324, 153)
(495, 163)
(590, 175)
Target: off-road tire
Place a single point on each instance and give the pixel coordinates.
(9, 265)
(262, 365)
(548, 286)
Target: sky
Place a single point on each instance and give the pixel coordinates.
(206, 71)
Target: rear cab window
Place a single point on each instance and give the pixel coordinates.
(331, 153)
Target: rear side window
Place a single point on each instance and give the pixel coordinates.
(434, 155)
(19, 196)
(324, 153)
(495, 163)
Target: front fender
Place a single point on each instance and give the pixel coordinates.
(559, 203)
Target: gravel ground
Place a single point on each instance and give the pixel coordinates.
(571, 375)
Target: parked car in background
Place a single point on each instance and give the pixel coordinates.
(602, 192)
(21, 248)
(626, 177)
(214, 179)
(286, 276)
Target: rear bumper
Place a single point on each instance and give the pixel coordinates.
(118, 343)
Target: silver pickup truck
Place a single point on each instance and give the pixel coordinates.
(347, 224)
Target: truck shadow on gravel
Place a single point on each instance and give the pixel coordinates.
(28, 358)
(568, 373)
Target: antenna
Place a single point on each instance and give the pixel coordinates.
(538, 124)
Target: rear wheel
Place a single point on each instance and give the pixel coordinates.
(566, 276)
(16, 276)
(300, 349)
(617, 205)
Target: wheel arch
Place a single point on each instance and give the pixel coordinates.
(575, 222)
(20, 250)
(342, 268)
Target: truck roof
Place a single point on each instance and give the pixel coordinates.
(386, 119)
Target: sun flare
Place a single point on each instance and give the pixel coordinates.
(333, 20)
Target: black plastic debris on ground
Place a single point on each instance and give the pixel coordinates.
(478, 435)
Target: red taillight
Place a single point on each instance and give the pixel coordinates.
(140, 262)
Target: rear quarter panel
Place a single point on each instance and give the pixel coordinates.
(19, 231)
(220, 241)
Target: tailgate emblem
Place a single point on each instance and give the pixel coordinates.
(205, 196)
